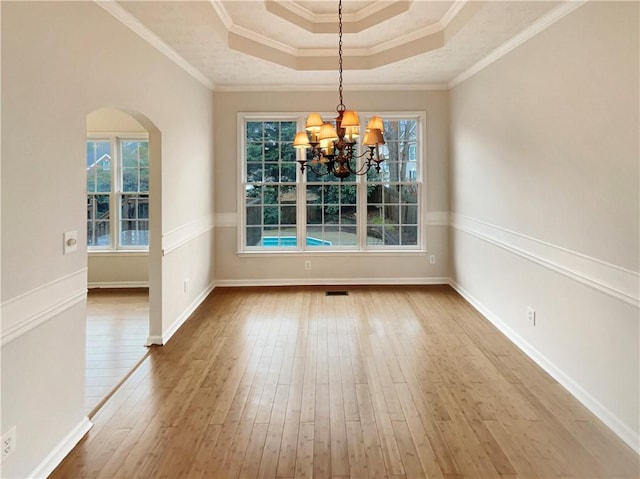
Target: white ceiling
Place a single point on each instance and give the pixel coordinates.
(235, 44)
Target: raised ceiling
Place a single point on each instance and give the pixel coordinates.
(284, 43)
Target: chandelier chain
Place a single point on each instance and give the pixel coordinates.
(341, 106)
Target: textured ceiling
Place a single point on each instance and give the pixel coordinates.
(253, 43)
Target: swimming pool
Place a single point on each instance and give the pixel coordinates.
(291, 241)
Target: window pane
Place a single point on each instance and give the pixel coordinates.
(135, 153)
(374, 235)
(287, 131)
(254, 215)
(271, 151)
(409, 235)
(98, 221)
(130, 179)
(144, 180)
(254, 152)
(348, 193)
(253, 194)
(391, 194)
(254, 131)
(254, 172)
(134, 223)
(410, 194)
(270, 215)
(271, 195)
(271, 172)
(288, 215)
(409, 215)
(135, 165)
(314, 214)
(348, 236)
(391, 214)
(288, 195)
(391, 235)
(98, 166)
(288, 172)
(272, 131)
(134, 233)
(288, 152)
(348, 214)
(254, 235)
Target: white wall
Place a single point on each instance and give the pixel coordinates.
(61, 61)
(545, 202)
(235, 269)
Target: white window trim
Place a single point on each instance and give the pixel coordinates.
(362, 249)
(116, 189)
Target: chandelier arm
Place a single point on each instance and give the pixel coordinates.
(368, 153)
(318, 173)
(363, 170)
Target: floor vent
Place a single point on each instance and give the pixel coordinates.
(337, 293)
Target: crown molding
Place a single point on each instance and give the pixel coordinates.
(311, 87)
(452, 12)
(355, 22)
(529, 32)
(120, 14)
(222, 13)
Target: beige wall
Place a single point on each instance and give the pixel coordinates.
(545, 204)
(339, 268)
(60, 62)
(118, 270)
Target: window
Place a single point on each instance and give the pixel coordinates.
(117, 193)
(286, 210)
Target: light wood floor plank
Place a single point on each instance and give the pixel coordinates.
(387, 382)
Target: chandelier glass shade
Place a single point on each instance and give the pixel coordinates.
(334, 149)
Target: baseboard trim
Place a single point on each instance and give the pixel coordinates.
(604, 414)
(118, 284)
(154, 341)
(330, 281)
(183, 317)
(56, 456)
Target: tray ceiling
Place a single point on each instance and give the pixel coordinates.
(254, 43)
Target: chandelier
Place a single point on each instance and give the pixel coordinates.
(334, 149)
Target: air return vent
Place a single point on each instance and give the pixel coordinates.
(337, 293)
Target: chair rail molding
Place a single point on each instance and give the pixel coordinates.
(608, 278)
(32, 308)
(177, 237)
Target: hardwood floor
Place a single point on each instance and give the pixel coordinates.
(395, 382)
(117, 329)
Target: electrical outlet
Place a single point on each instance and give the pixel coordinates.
(432, 259)
(9, 442)
(531, 316)
(307, 265)
(186, 285)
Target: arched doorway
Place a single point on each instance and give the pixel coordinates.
(124, 245)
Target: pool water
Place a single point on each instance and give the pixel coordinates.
(291, 241)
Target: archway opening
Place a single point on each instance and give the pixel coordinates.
(123, 165)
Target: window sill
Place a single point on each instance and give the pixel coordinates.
(340, 253)
(120, 252)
